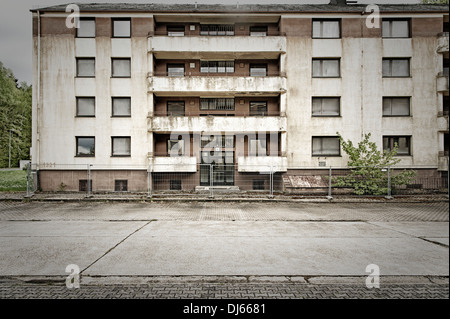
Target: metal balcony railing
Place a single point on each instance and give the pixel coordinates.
(224, 33)
(217, 113)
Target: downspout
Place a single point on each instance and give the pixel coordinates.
(37, 152)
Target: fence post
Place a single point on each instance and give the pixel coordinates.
(149, 182)
(89, 180)
(28, 180)
(271, 182)
(211, 183)
(389, 192)
(329, 197)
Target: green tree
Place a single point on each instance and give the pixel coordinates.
(15, 116)
(368, 167)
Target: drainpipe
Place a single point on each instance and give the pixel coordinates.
(37, 151)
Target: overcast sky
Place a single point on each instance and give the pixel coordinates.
(15, 25)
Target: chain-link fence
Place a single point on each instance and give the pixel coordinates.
(218, 179)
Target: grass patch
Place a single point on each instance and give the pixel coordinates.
(13, 181)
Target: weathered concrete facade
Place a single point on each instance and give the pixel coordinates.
(262, 60)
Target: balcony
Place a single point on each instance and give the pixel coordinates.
(167, 124)
(263, 164)
(225, 47)
(442, 122)
(171, 164)
(443, 161)
(204, 85)
(442, 82)
(442, 42)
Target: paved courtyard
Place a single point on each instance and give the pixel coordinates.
(223, 249)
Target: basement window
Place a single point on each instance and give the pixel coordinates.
(175, 184)
(121, 185)
(83, 185)
(258, 184)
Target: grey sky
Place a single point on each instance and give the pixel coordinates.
(15, 25)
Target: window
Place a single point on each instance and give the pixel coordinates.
(258, 184)
(395, 28)
(85, 146)
(326, 146)
(121, 146)
(258, 108)
(121, 106)
(121, 185)
(121, 28)
(396, 106)
(221, 29)
(121, 68)
(217, 66)
(258, 69)
(85, 67)
(175, 69)
(83, 185)
(403, 143)
(87, 28)
(257, 147)
(175, 147)
(395, 67)
(175, 184)
(217, 104)
(326, 29)
(175, 108)
(213, 141)
(175, 30)
(258, 31)
(326, 106)
(326, 68)
(86, 106)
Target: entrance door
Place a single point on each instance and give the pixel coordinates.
(222, 168)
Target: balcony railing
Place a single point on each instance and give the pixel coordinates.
(216, 113)
(221, 74)
(196, 33)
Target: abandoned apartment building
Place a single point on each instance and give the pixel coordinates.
(180, 97)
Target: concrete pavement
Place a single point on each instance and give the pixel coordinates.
(278, 243)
